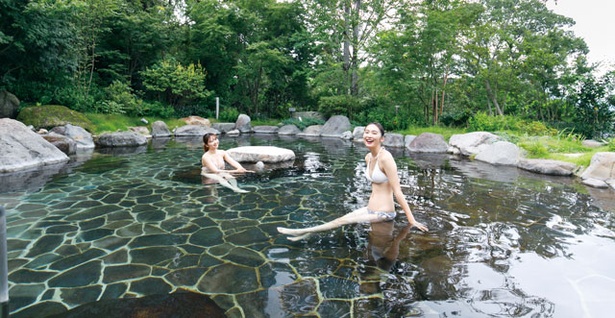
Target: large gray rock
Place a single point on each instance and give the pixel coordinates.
(288, 130)
(548, 167)
(234, 133)
(23, 149)
(347, 135)
(193, 130)
(243, 124)
(266, 154)
(393, 140)
(121, 139)
(81, 136)
(335, 126)
(266, 129)
(224, 127)
(408, 139)
(308, 115)
(500, 153)
(197, 120)
(141, 130)
(601, 170)
(65, 144)
(428, 142)
(311, 131)
(592, 143)
(357, 133)
(471, 143)
(9, 105)
(160, 129)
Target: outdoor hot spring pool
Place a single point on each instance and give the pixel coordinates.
(129, 223)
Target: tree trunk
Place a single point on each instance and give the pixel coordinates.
(434, 105)
(92, 62)
(493, 98)
(443, 93)
(354, 76)
(346, 56)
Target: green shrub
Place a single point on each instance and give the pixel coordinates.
(456, 119)
(482, 122)
(228, 114)
(535, 128)
(568, 135)
(535, 149)
(120, 100)
(77, 100)
(175, 84)
(337, 105)
(158, 109)
(303, 122)
(611, 144)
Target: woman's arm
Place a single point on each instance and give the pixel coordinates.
(234, 163)
(390, 169)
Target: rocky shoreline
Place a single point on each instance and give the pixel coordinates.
(25, 149)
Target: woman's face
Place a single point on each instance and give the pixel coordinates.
(372, 136)
(213, 142)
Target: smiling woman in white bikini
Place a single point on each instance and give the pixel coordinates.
(214, 163)
(381, 171)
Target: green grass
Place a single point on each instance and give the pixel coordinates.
(116, 122)
(582, 160)
(446, 132)
(559, 148)
(265, 122)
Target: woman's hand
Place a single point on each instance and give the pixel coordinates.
(418, 225)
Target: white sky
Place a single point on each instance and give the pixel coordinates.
(595, 23)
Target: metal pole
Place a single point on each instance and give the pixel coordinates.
(4, 274)
(217, 107)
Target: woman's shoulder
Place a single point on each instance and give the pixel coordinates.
(385, 154)
(386, 158)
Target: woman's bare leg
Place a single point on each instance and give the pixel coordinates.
(226, 180)
(357, 216)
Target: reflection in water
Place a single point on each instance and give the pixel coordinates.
(502, 242)
(382, 252)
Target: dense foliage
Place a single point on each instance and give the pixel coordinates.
(430, 62)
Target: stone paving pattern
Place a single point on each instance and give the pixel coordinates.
(126, 225)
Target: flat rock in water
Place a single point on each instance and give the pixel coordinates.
(548, 167)
(266, 154)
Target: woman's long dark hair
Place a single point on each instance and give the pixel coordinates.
(206, 140)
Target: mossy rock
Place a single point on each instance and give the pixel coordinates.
(49, 116)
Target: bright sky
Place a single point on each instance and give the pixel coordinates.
(595, 23)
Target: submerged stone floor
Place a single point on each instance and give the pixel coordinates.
(128, 226)
(119, 229)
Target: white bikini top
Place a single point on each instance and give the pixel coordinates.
(377, 175)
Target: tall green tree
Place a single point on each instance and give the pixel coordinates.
(593, 105)
(519, 46)
(140, 34)
(256, 52)
(37, 41)
(343, 31)
(419, 59)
